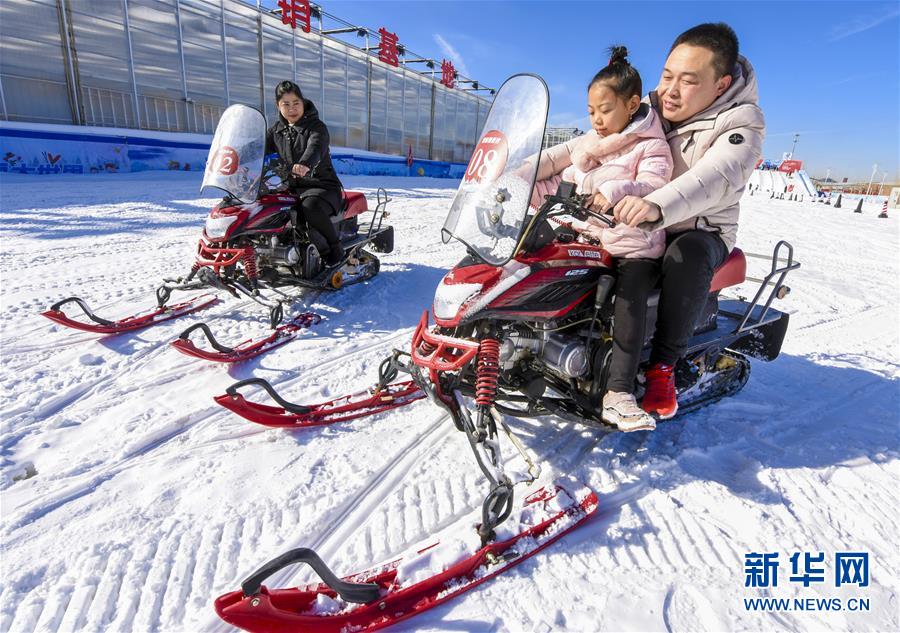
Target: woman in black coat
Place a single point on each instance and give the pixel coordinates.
(301, 140)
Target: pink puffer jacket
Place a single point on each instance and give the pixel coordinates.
(633, 162)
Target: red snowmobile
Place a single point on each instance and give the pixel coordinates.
(254, 238)
(254, 243)
(523, 327)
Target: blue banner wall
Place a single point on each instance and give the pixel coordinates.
(46, 150)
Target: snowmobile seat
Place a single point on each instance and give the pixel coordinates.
(731, 273)
(353, 203)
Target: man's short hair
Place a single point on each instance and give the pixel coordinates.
(717, 37)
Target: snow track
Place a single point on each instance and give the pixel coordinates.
(131, 500)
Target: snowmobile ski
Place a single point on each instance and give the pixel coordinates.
(126, 324)
(289, 415)
(422, 578)
(246, 349)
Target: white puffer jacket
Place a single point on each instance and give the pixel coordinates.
(714, 154)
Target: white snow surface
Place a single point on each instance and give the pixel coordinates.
(130, 500)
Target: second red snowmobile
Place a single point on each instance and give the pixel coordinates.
(254, 243)
(255, 239)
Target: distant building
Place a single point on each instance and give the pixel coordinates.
(857, 187)
(556, 135)
(175, 65)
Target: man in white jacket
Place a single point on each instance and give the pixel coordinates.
(707, 97)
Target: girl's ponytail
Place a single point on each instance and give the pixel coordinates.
(619, 75)
(618, 55)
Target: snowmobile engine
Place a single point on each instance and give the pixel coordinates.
(280, 255)
(566, 355)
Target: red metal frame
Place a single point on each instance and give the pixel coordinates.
(439, 352)
(219, 257)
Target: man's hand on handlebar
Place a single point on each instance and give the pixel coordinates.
(299, 170)
(634, 210)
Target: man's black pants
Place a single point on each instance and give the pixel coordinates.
(685, 270)
(688, 266)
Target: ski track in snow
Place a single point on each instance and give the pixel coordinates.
(150, 500)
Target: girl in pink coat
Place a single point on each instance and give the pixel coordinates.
(624, 154)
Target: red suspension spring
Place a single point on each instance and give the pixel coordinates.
(487, 372)
(426, 348)
(248, 259)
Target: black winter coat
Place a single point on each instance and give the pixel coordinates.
(305, 142)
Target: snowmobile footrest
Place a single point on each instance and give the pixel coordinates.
(359, 593)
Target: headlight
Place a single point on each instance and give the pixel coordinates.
(217, 228)
(449, 298)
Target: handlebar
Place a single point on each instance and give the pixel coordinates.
(575, 206)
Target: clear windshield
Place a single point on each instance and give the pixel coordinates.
(235, 161)
(488, 212)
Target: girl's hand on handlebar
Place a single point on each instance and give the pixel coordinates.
(599, 203)
(299, 170)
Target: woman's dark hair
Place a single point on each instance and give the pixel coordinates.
(716, 37)
(286, 87)
(621, 77)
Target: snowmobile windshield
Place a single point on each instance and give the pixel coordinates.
(235, 161)
(489, 211)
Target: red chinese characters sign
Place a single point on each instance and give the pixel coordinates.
(387, 50)
(448, 74)
(294, 11)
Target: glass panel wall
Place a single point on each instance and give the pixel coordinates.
(32, 68)
(128, 70)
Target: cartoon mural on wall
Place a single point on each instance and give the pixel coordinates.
(71, 151)
(37, 152)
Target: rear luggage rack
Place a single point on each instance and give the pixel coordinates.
(380, 211)
(755, 316)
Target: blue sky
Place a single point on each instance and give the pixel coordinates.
(828, 70)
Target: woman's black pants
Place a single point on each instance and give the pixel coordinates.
(317, 212)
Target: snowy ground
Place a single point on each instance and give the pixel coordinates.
(130, 500)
